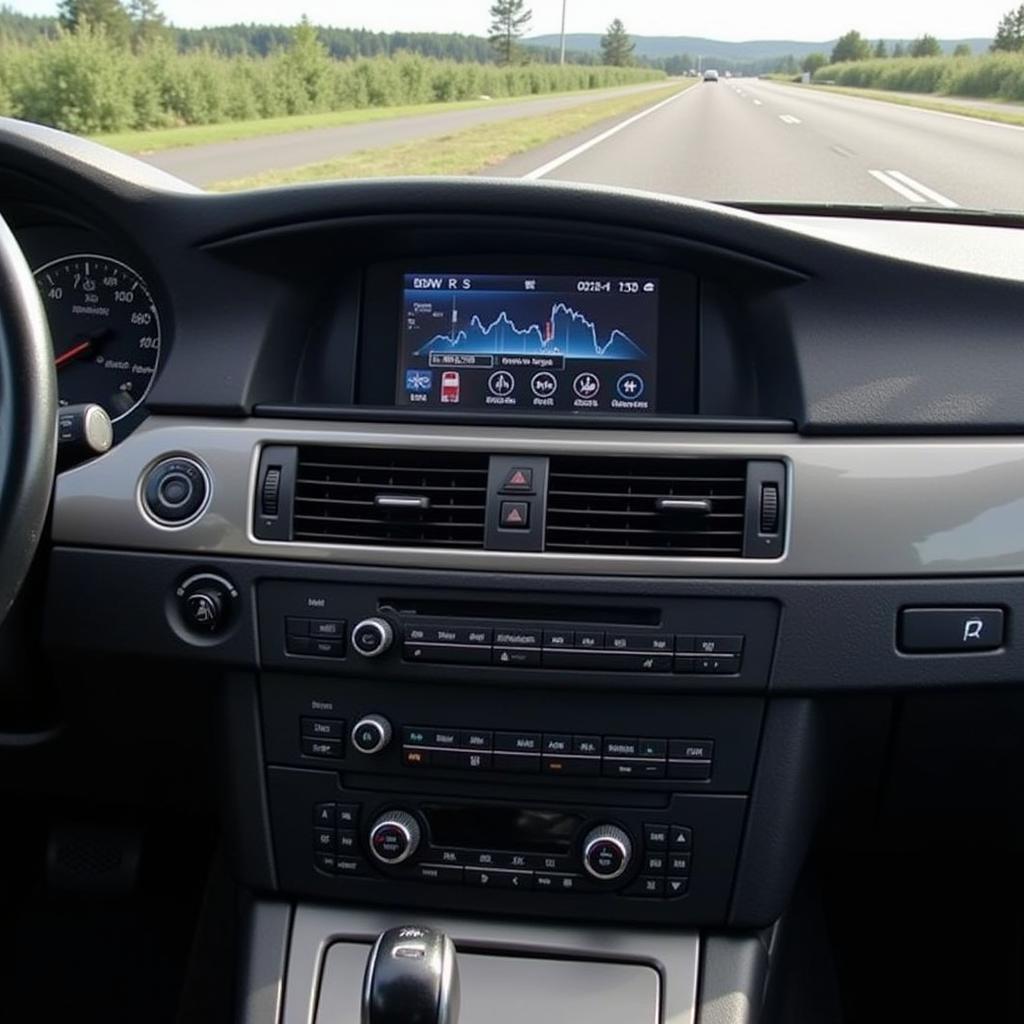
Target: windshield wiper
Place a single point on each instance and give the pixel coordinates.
(937, 214)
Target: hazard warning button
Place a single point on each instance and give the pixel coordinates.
(519, 480)
(515, 515)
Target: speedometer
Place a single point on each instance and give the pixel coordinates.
(105, 329)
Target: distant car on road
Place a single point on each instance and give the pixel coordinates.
(711, 75)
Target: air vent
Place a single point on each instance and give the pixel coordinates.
(391, 498)
(646, 506)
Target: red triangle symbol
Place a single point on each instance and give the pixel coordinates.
(515, 516)
(517, 479)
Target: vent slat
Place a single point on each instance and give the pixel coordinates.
(608, 505)
(336, 488)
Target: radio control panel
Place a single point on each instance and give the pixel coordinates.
(674, 643)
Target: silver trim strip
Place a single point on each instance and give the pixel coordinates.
(674, 954)
(871, 507)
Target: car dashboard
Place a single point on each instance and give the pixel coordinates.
(558, 553)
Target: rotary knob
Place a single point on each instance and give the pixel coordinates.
(371, 734)
(606, 852)
(394, 837)
(372, 637)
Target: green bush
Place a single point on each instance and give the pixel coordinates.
(991, 76)
(86, 83)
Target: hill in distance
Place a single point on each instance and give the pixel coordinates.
(662, 47)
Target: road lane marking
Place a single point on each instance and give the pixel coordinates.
(928, 193)
(757, 103)
(551, 165)
(789, 119)
(897, 187)
(841, 150)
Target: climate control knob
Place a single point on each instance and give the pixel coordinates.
(606, 852)
(372, 637)
(394, 837)
(371, 734)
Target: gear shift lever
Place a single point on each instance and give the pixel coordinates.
(411, 978)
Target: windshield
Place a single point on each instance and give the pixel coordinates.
(867, 104)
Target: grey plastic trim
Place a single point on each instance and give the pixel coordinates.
(260, 992)
(675, 955)
(871, 507)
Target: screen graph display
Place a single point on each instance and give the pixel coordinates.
(524, 343)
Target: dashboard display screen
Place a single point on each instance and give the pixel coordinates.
(518, 343)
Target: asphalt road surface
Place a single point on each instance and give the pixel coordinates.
(747, 139)
(225, 161)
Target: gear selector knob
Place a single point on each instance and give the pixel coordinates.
(411, 978)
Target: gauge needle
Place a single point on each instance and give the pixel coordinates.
(81, 347)
(73, 352)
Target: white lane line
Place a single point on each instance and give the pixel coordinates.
(757, 103)
(789, 119)
(928, 193)
(551, 165)
(896, 186)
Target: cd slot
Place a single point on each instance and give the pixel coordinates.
(514, 611)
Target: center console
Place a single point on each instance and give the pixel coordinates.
(426, 748)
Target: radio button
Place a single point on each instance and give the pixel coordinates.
(588, 745)
(324, 840)
(296, 627)
(489, 878)
(442, 737)
(679, 864)
(691, 750)
(568, 764)
(446, 654)
(676, 887)
(559, 883)
(327, 629)
(439, 873)
(621, 746)
(521, 742)
(324, 815)
(349, 866)
(527, 636)
(656, 837)
(718, 644)
(413, 757)
(346, 815)
(680, 838)
(647, 885)
(346, 842)
(517, 861)
(325, 862)
(524, 763)
(619, 768)
(322, 748)
(655, 863)
(476, 739)
(652, 748)
(510, 657)
(590, 641)
(415, 735)
(558, 638)
(641, 643)
(471, 760)
(323, 728)
(557, 743)
(450, 856)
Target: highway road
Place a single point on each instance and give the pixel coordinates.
(748, 139)
(225, 161)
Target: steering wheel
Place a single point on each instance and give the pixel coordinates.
(28, 418)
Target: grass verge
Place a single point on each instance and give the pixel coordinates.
(466, 152)
(156, 139)
(927, 102)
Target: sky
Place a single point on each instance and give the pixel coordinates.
(721, 19)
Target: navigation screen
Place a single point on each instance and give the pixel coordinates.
(518, 343)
